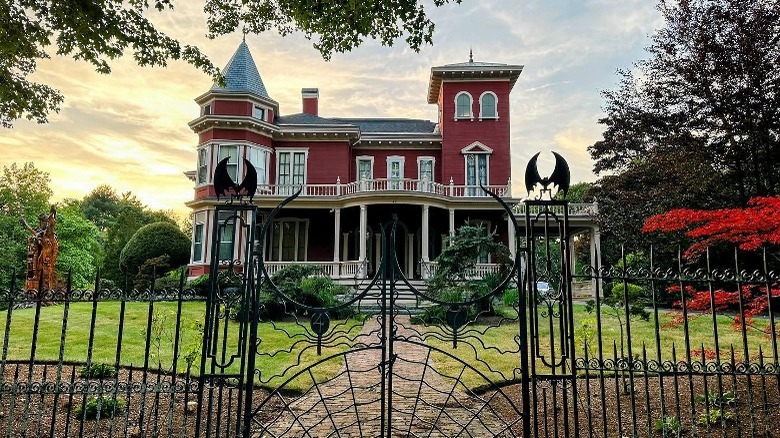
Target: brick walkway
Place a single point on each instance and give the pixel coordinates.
(424, 403)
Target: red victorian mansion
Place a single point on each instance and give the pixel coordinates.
(357, 173)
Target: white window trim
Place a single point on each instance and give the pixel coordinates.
(268, 152)
(432, 159)
(396, 158)
(209, 157)
(265, 112)
(237, 233)
(480, 106)
(209, 104)
(278, 250)
(305, 151)
(199, 218)
(471, 106)
(360, 158)
(420, 182)
(240, 151)
(466, 167)
(477, 148)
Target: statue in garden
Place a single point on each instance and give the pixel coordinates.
(42, 249)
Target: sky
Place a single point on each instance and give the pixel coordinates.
(129, 129)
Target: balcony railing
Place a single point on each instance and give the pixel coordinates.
(382, 185)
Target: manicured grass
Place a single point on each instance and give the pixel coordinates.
(502, 358)
(283, 344)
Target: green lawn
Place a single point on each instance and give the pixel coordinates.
(502, 357)
(282, 343)
(288, 347)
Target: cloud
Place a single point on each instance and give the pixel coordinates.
(129, 129)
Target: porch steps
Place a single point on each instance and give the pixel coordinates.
(407, 301)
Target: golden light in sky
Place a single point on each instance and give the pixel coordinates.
(129, 129)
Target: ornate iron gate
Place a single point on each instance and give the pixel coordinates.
(387, 359)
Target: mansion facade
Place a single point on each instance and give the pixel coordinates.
(357, 173)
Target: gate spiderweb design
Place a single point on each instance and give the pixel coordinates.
(425, 401)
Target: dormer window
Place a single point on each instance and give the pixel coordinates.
(206, 109)
(488, 106)
(463, 106)
(258, 112)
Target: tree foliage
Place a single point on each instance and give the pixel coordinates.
(101, 30)
(697, 123)
(103, 205)
(455, 265)
(80, 251)
(24, 194)
(749, 228)
(155, 240)
(132, 217)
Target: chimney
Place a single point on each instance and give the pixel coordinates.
(311, 97)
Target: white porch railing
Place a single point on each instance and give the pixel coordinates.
(274, 267)
(478, 272)
(383, 185)
(345, 269)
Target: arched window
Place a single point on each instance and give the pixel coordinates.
(488, 106)
(463, 106)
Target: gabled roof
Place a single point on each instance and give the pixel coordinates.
(241, 75)
(470, 70)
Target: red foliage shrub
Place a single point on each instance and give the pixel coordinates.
(749, 228)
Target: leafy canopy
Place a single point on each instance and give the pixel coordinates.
(155, 240)
(695, 124)
(99, 31)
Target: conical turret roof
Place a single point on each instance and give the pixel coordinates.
(241, 75)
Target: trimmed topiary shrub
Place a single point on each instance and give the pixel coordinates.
(155, 240)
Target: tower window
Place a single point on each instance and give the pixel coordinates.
(463, 106)
(487, 106)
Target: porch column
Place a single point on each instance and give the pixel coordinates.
(595, 257)
(425, 237)
(452, 222)
(336, 241)
(510, 236)
(362, 237)
(410, 255)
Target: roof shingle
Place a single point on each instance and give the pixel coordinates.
(241, 75)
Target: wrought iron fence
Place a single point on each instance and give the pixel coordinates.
(102, 362)
(664, 349)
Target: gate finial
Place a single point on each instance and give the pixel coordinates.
(560, 177)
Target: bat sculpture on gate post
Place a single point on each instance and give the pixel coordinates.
(225, 186)
(560, 176)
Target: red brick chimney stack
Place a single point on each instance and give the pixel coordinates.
(311, 97)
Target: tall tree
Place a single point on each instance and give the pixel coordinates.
(697, 124)
(24, 194)
(103, 205)
(80, 251)
(101, 30)
(126, 224)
